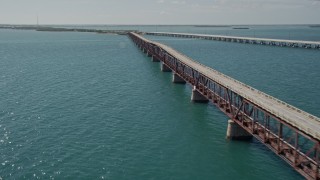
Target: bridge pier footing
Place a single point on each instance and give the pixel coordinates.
(177, 79)
(198, 97)
(154, 59)
(165, 68)
(236, 132)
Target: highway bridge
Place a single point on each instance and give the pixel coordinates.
(249, 40)
(294, 135)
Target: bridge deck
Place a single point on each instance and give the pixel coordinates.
(315, 43)
(303, 121)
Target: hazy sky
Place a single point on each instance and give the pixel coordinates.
(160, 11)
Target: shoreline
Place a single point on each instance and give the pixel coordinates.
(53, 29)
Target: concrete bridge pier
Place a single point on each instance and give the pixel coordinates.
(149, 54)
(165, 68)
(198, 97)
(155, 59)
(177, 79)
(236, 132)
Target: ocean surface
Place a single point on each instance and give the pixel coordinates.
(93, 106)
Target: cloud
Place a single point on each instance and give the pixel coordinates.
(160, 1)
(178, 2)
(164, 13)
(315, 2)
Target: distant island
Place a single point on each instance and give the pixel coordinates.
(315, 26)
(211, 26)
(240, 28)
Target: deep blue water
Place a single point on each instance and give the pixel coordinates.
(92, 106)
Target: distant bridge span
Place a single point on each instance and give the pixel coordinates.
(249, 40)
(291, 133)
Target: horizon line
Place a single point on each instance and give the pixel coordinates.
(163, 24)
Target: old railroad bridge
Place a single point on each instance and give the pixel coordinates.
(294, 135)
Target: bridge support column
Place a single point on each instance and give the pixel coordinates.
(198, 97)
(165, 68)
(149, 54)
(177, 79)
(236, 132)
(155, 59)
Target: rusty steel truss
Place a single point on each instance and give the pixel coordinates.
(297, 148)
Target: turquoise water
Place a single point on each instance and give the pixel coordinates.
(92, 106)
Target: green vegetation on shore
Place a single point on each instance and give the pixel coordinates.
(55, 29)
